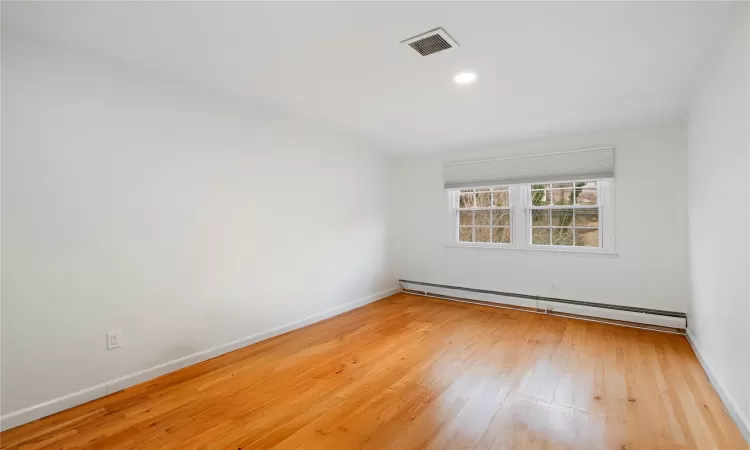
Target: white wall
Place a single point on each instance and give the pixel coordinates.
(719, 217)
(650, 270)
(135, 204)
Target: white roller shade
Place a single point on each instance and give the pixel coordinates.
(564, 166)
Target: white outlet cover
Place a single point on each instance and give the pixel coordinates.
(114, 340)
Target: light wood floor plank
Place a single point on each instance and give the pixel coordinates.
(410, 372)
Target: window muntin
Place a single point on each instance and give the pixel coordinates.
(484, 215)
(565, 214)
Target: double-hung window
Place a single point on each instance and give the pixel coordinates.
(554, 201)
(574, 215)
(484, 215)
(565, 214)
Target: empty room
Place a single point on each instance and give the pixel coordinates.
(375, 225)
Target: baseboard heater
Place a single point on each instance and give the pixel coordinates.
(656, 317)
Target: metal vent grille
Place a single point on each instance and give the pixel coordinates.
(433, 41)
(430, 44)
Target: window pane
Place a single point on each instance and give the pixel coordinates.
(482, 234)
(562, 217)
(587, 217)
(501, 235)
(587, 237)
(482, 218)
(539, 186)
(483, 199)
(500, 198)
(562, 236)
(465, 234)
(562, 196)
(562, 185)
(467, 201)
(540, 217)
(540, 197)
(540, 236)
(501, 218)
(586, 196)
(466, 218)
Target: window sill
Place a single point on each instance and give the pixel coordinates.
(594, 253)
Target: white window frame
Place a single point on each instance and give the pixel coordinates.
(520, 213)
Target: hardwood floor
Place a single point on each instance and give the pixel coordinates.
(414, 372)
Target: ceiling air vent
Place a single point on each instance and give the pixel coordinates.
(431, 42)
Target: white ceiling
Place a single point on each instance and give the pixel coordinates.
(543, 68)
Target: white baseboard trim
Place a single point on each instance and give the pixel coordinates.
(739, 418)
(566, 308)
(35, 412)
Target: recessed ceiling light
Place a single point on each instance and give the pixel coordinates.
(464, 78)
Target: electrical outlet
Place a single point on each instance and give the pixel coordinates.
(114, 340)
(554, 287)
